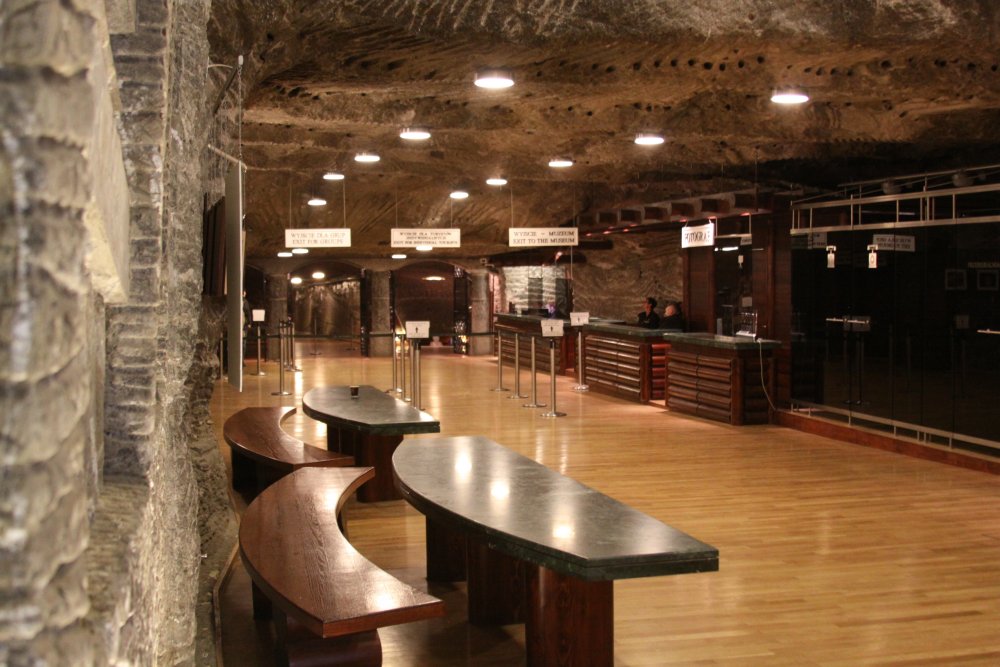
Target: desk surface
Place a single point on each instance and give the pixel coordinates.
(373, 411)
(533, 513)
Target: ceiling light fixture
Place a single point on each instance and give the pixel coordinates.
(494, 78)
(333, 176)
(789, 96)
(366, 157)
(648, 139)
(284, 253)
(434, 279)
(318, 275)
(415, 134)
(300, 251)
(496, 182)
(316, 201)
(423, 248)
(459, 194)
(296, 280)
(399, 255)
(560, 163)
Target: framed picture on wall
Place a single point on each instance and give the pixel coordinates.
(954, 279)
(988, 279)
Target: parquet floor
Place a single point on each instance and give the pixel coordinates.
(831, 554)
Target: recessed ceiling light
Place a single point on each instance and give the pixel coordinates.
(789, 96)
(496, 182)
(333, 176)
(316, 201)
(296, 280)
(648, 139)
(459, 194)
(434, 279)
(284, 253)
(494, 79)
(415, 134)
(560, 163)
(366, 157)
(399, 255)
(318, 275)
(300, 251)
(423, 248)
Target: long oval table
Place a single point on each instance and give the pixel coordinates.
(369, 428)
(535, 546)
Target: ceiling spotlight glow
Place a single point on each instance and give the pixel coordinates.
(366, 157)
(789, 96)
(496, 182)
(318, 275)
(300, 251)
(560, 163)
(423, 248)
(434, 279)
(494, 79)
(296, 280)
(333, 176)
(316, 201)
(459, 194)
(398, 255)
(284, 253)
(415, 134)
(648, 139)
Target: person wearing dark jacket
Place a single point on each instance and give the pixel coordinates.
(673, 318)
(648, 319)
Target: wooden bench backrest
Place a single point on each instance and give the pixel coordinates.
(297, 555)
(257, 433)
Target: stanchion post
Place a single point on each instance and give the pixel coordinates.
(281, 362)
(394, 388)
(499, 386)
(415, 373)
(291, 347)
(259, 372)
(405, 350)
(533, 403)
(552, 379)
(517, 367)
(581, 382)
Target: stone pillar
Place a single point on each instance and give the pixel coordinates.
(381, 340)
(277, 310)
(480, 312)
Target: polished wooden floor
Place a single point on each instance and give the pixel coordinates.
(831, 554)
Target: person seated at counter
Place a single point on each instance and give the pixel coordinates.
(673, 318)
(648, 319)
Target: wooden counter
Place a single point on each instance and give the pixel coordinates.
(625, 361)
(527, 326)
(719, 377)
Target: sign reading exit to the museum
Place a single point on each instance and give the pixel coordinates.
(533, 236)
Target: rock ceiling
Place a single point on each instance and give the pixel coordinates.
(896, 86)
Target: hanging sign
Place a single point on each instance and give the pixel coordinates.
(534, 236)
(411, 237)
(816, 240)
(895, 242)
(698, 237)
(257, 315)
(332, 237)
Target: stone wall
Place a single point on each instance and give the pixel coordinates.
(535, 287)
(113, 485)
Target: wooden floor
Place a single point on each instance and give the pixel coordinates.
(830, 553)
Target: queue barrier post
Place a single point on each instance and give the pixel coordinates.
(533, 403)
(517, 367)
(499, 386)
(552, 379)
(281, 362)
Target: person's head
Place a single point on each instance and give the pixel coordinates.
(650, 304)
(673, 308)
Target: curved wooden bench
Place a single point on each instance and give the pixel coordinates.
(326, 599)
(263, 452)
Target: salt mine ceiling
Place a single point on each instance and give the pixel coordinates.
(895, 86)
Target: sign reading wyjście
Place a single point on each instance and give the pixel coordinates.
(411, 237)
(331, 237)
(534, 236)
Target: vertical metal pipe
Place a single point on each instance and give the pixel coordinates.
(395, 379)
(281, 362)
(581, 382)
(552, 380)
(533, 402)
(259, 372)
(403, 352)
(415, 372)
(517, 367)
(499, 386)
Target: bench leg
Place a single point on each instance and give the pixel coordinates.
(445, 553)
(570, 621)
(376, 451)
(497, 594)
(297, 647)
(244, 472)
(262, 608)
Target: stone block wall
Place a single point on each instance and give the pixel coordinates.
(114, 520)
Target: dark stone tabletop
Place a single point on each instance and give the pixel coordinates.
(528, 511)
(373, 411)
(720, 342)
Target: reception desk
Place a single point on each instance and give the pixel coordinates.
(526, 326)
(719, 377)
(625, 361)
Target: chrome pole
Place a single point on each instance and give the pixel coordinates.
(499, 386)
(395, 371)
(415, 375)
(281, 362)
(517, 367)
(404, 352)
(581, 382)
(552, 379)
(259, 372)
(534, 380)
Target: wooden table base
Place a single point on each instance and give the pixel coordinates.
(369, 450)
